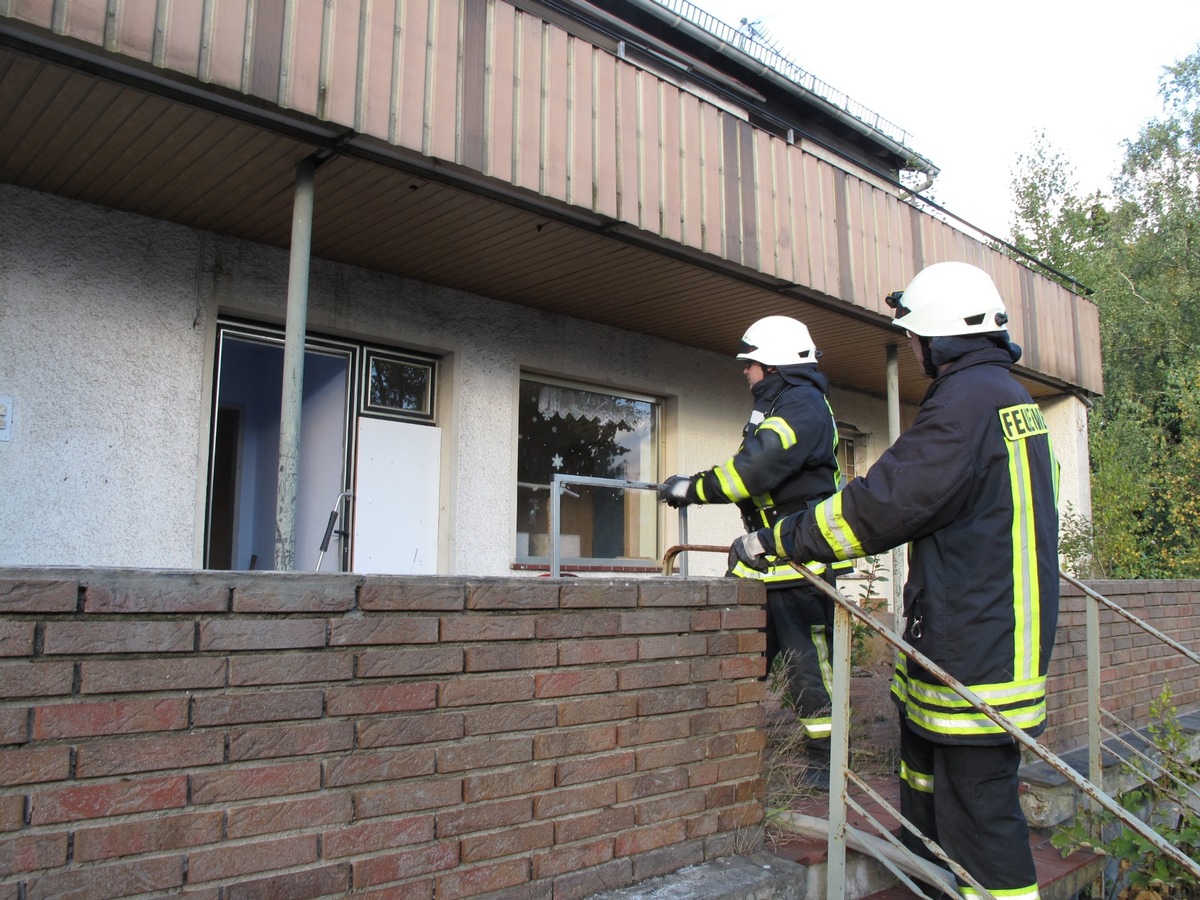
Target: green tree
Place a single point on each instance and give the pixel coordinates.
(1137, 248)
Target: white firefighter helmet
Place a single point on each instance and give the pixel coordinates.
(778, 341)
(949, 298)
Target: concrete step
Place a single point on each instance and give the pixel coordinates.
(867, 878)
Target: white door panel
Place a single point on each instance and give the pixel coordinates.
(396, 498)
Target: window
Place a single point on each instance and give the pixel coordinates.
(398, 387)
(346, 446)
(577, 430)
(848, 436)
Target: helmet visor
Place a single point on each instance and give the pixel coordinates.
(746, 351)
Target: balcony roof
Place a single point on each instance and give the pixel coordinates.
(95, 126)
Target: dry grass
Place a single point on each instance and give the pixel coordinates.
(874, 736)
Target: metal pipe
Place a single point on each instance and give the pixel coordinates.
(683, 539)
(1145, 626)
(839, 754)
(899, 554)
(293, 366)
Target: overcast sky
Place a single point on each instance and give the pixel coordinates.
(974, 83)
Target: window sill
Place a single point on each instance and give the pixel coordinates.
(638, 568)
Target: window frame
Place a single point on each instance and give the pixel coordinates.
(653, 459)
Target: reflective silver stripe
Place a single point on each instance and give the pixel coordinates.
(995, 694)
(1027, 620)
(918, 781)
(1025, 893)
(836, 530)
(817, 728)
(974, 722)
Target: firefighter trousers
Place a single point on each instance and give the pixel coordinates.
(966, 799)
(800, 629)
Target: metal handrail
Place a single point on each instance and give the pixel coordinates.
(845, 610)
(752, 46)
(558, 487)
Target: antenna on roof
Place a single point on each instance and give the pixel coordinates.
(754, 30)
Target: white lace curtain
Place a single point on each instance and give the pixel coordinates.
(602, 408)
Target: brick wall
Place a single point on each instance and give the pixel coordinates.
(256, 734)
(1135, 665)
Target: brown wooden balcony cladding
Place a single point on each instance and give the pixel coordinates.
(487, 87)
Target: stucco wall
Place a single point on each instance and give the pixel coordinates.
(107, 325)
(99, 353)
(106, 347)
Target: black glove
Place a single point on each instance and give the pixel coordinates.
(677, 491)
(750, 552)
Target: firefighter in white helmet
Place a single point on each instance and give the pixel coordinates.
(972, 486)
(787, 459)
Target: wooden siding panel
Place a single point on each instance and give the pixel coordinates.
(785, 221)
(670, 164)
(765, 227)
(748, 183)
(181, 42)
(136, 28)
(83, 20)
(896, 266)
(627, 145)
(226, 43)
(731, 189)
(856, 262)
(580, 149)
(302, 61)
(499, 77)
(606, 136)
(798, 217)
(690, 172)
(829, 260)
(812, 221)
(410, 83)
(342, 51)
(266, 49)
(528, 120)
(35, 12)
(650, 210)
(441, 110)
(874, 227)
(375, 98)
(712, 209)
(1089, 345)
(555, 123)
(473, 118)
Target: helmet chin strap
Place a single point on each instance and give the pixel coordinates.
(927, 356)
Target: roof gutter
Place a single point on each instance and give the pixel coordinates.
(915, 161)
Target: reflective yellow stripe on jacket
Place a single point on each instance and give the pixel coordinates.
(732, 485)
(836, 530)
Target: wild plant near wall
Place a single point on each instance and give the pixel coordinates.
(1165, 799)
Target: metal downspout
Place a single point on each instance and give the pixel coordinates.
(893, 410)
(293, 365)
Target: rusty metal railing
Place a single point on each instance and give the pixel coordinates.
(901, 861)
(845, 611)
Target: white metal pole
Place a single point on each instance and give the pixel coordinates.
(293, 366)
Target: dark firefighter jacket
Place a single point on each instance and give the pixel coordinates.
(787, 458)
(972, 485)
